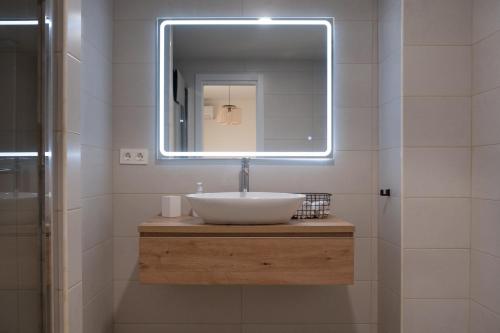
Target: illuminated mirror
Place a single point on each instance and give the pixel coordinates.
(230, 88)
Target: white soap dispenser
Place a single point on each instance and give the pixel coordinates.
(199, 189)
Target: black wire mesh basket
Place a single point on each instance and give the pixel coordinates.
(315, 206)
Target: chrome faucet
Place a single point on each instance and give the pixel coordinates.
(245, 175)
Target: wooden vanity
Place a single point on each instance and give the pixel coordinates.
(183, 250)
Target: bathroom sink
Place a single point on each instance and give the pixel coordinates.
(245, 207)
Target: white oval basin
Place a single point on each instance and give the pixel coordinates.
(246, 207)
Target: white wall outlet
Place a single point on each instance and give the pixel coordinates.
(133, 156)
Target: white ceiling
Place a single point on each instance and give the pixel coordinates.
(249, 43)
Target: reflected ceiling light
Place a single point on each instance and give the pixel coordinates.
(247, 22)
(18, 22)
(23, 154)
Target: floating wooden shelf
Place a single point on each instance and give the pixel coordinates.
(185, 251)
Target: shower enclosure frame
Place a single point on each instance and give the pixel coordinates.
(47, 114)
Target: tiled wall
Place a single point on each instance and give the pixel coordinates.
(68, 167)
(352, 179)
(84, 170)
(96, 165)
(437, 165)
(485, 231)
(389, 208)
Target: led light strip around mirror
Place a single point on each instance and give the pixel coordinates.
(257, 21)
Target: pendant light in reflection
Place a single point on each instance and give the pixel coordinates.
(229, 114)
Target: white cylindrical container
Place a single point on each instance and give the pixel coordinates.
(170, 206)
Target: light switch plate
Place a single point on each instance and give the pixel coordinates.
(133, 156)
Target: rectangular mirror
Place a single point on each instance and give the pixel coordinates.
(230, 88)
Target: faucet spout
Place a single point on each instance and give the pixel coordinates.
(245, 175)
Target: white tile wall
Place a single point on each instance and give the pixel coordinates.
(437, 121)
(485, 227)
(485, 270)
(73, 167)
(437, 171)
(436, 316)
(436, 273)
(437, 71)
(389, 268)
(437, 223)
(134, 41)
(349, 52)
(389, 311)
(389, 166)
(389, 221)
(96, 166)
(317, 304)
(97, 271)
(75, 309)
(485, 179)
(75, 248)
(353, 129)
(307, 328)
(68, 166)
(486, 14)
(438, 22)
(485, 237)
(483, 320)
(390, 124)
(177, 328)
(486, 118)
(98, 314)
(355, 84)
(72, 95)
(486, 64)
(351, 178)
(342, 10)
(176, 304)
(97, 218)
(73, 28)
(437, 165)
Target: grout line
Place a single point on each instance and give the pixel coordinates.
(486, 307)
(247, 323)
(489, 35)
(439, 44)
(435, 248)
(99, 244)
(437, 196)
(96, 196)
(496, 257)
(486, 145)
(486, 199)
(438, 146)
(471, 165)
(475, 94)
(436, 96)
(438, 299)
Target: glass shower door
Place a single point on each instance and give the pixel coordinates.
(20, 182)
